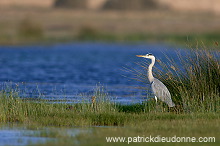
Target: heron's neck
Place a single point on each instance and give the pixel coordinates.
(150, 75)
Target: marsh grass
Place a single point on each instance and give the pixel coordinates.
(99, 111)
(193, 81)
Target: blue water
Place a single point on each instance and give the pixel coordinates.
(19, 135)
(65, 71)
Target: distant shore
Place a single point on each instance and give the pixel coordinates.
(34, 25)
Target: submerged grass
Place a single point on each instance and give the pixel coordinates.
(183, 126)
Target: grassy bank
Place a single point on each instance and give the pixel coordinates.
(99, 112)
(106, 114)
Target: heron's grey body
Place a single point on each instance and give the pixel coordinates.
(161, 92)
(159, 89)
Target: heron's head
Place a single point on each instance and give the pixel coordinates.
(149, 56)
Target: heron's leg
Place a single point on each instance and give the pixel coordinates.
(156, 99)
(156, 103)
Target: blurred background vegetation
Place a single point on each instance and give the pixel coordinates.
(50, 21)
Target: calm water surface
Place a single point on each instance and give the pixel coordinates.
(65, 71)
(19, 135)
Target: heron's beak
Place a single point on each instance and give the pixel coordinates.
(140, 55)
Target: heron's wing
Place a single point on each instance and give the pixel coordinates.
(161, 91)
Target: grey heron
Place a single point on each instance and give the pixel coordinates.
(159, 89)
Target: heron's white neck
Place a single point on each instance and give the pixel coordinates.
(150, 75)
